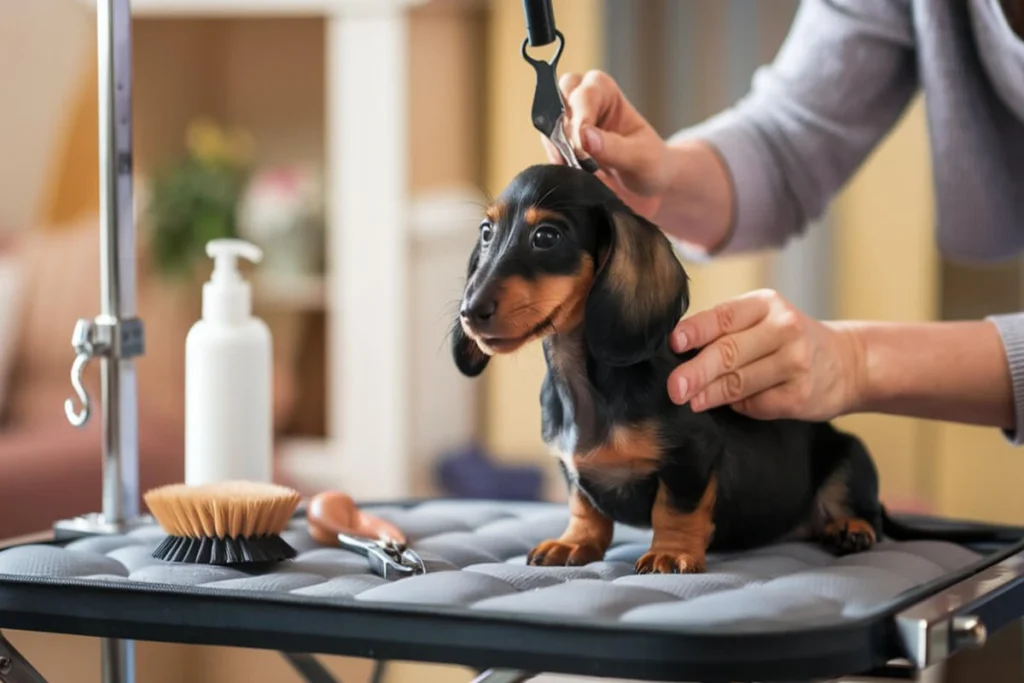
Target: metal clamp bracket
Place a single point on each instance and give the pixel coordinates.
(101, 337)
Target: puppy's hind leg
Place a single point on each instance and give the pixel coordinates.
(849, 513)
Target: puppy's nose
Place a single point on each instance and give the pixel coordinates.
(480, 310)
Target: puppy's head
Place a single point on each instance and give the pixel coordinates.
(556, 251)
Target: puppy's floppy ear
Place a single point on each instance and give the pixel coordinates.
(639, 292)
(468, 357)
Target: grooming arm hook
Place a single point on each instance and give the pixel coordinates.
(102, 337)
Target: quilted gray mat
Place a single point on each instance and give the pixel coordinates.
(475, 553)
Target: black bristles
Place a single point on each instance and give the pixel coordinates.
(225, 551)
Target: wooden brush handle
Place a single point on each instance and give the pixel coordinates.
(333, 512)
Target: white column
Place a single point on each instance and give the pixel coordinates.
(368, 308)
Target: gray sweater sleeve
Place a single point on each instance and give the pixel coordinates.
(842, 78)
(1011, 331)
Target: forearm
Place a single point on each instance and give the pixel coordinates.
(951, 371)
(752, 176)
(697, 209)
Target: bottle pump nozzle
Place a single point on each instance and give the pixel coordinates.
(226, 295)
(225, 254)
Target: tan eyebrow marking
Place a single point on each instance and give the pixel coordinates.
(535, 215)
(495, 212)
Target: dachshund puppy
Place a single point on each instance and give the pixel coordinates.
(560, 258)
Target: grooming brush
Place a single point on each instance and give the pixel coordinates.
(238, 522)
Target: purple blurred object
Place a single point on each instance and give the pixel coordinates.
(470, 473)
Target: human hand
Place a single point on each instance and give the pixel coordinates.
(767, 360)
(602, 123)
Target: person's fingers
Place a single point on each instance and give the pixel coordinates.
(590, 102)
(782, 401)
(611, 149)
(702, 328)
(741, 384)
(567, 83)
(722, 360)
(552, 153)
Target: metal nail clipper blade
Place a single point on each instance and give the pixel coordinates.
(387, 558)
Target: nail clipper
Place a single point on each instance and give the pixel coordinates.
(388, 558)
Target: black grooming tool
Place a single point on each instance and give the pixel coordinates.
(548, 107)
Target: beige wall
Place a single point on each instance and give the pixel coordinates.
(42, 46)
(886, 269)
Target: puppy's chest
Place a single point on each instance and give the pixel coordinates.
(601, 452)
(592, 437)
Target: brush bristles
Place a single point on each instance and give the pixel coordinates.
(223, 510)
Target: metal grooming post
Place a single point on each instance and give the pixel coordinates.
(115, 336)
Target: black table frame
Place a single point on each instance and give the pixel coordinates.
(877, 645)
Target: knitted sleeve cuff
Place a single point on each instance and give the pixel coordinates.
(1011, 331)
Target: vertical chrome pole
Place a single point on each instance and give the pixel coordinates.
(115, 335)
(117, 292)
(117, 261)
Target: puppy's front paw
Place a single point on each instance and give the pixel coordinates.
(670, 562)
(556, 553)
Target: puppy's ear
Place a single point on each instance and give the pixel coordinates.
(468, 357)
(639, 292)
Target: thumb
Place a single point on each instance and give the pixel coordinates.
(614, 151)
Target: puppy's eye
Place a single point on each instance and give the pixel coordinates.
(486, 232)
(546, 237)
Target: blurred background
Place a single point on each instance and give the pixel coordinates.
(357, 148)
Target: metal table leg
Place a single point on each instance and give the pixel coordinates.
(312, 671)
(504, 676)
(309, 667)
(13, 666)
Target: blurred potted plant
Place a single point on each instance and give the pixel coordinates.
(281, 209)
(195, 199)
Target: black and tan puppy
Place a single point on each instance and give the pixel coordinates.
(560, 258)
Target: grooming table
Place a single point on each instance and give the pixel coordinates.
(781, 613)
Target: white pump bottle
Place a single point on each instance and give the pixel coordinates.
(228, 378)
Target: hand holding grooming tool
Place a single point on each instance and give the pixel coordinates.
(334, 519)
(235, 522)
(548, 107)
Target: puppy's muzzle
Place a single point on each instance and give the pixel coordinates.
(479, 311)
